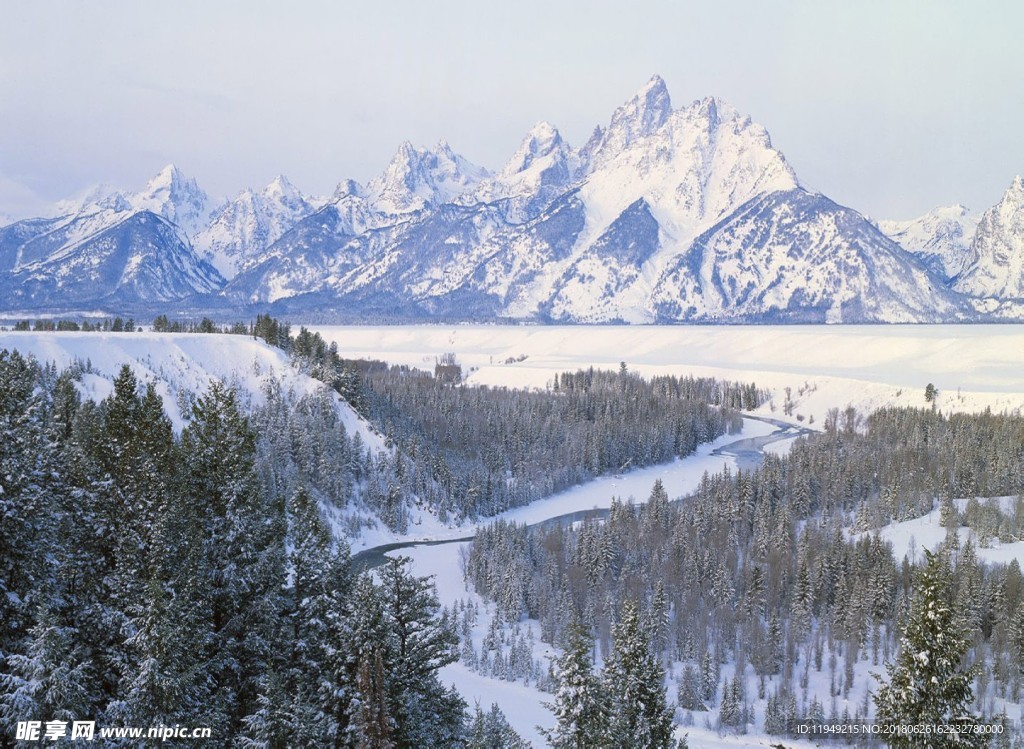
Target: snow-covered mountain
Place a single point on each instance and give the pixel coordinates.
(419, 178)
(795, 256)
(665, 214)
(997, 270)
(941, 238)
(111, 257)
(110, 248)
(242, 229)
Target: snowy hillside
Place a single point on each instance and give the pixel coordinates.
(181, 365)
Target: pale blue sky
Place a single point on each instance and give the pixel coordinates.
(890, 107)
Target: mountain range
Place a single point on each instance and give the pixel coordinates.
(664, 215)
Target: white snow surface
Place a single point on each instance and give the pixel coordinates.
(974, 367)
(910, 537)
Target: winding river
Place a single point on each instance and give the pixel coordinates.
(747, 452)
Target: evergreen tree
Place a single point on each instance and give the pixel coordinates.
(243, 546)
(26, 464)
(424, 712)
(927, 684)
(689, 696)
(635, 684)
(580, 706)
(491, 730)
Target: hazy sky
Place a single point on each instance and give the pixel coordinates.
(889, 107)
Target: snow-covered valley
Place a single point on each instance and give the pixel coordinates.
(809, 371)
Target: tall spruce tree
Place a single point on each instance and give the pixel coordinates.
(635, 683)
(580, 705)
(928, 686)
(243, 554)
(425, 713)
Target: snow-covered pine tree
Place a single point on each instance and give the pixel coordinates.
(491, 730)
(243, 553)
(425, 713)
(580, 701)
(927, 684)
(321, 583)
(635, 684)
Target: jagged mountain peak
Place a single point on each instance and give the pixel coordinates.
(418, 178)
(646, 111)
(242, 230)
(169, 177)
(347, 188)
(281, 188)
(176, 197)
(941, 238)
(542, 140)
(998, 249)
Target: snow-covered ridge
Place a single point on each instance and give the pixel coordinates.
(180, 365)
(941, 238)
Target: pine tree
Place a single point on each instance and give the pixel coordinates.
(25, 512)
(635, 684)
(242, 533)
(580, 705)
(927, 685)
(425, 713)
(689, 696)
(491, 730)
(319, 624)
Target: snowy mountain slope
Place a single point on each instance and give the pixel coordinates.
(998, 249)
(241, 231)
(111, 256)
(941, 239)
(796, 256)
